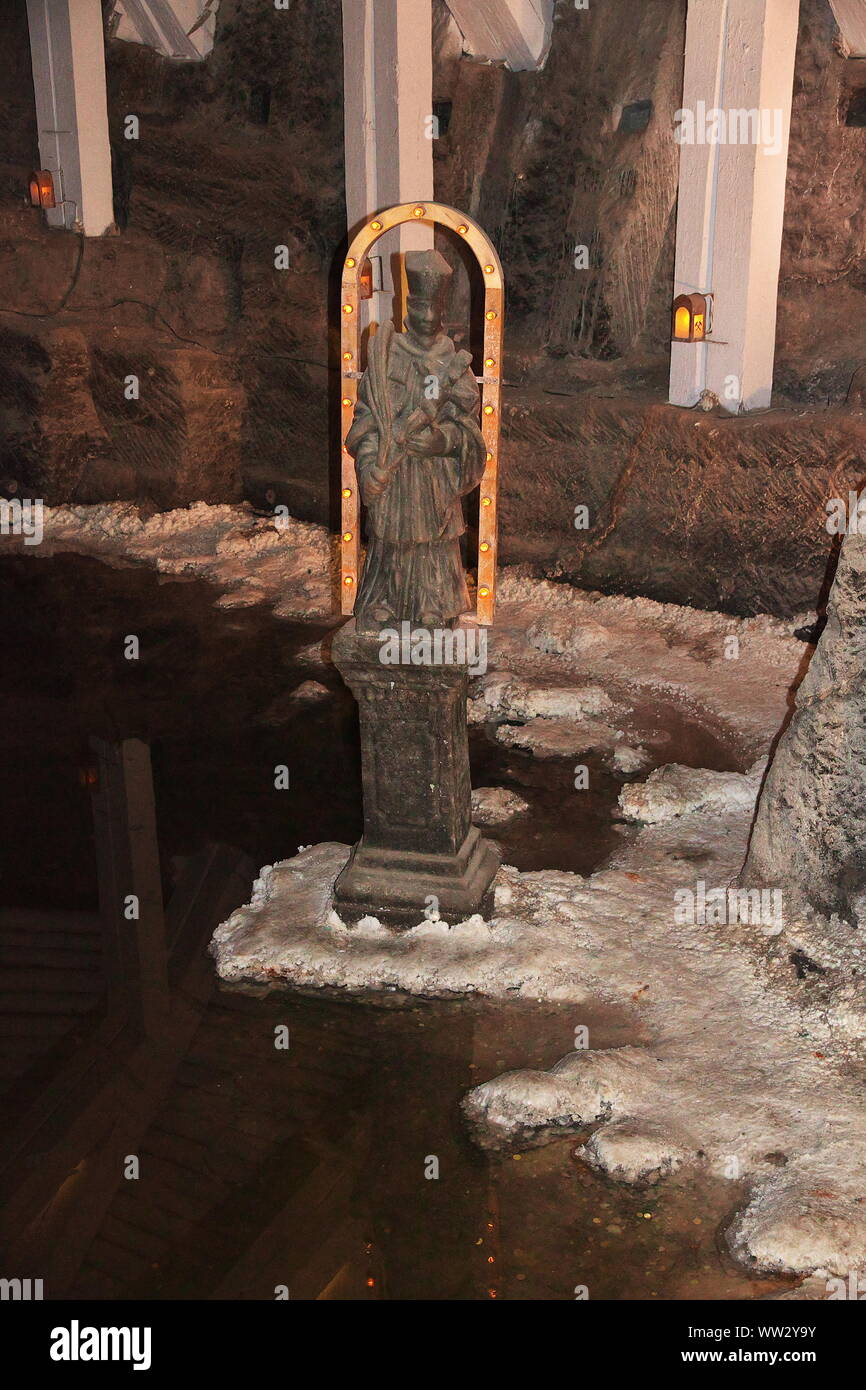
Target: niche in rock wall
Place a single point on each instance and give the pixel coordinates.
(635, 117)
(856, 112)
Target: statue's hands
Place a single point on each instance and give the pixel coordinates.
(428, 442)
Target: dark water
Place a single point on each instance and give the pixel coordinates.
(312, 1168)
(211, 694)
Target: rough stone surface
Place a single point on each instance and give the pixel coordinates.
(673, 790)
(810, 829)
(582, 1088)
(496, 805)
(634, 1151)
(502, 695)
(629, 760)
(557, 738)
(805, 1219)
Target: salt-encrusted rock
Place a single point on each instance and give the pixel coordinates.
(627, 759)
(674, 790)
(251, 944)
(558, 738)
(567, 634)
(810, 1216)
(810, 829)
(501, 695)
(309, 692)
(288, 704)
(496, 805)
(561, 702)
(582, 1088)
(634, 1151)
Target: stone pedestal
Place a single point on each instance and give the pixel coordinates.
(419, 842)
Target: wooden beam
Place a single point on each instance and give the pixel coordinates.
(388, 106)
(67, 48)
(733, 130)
(514, 32)
(127, 855)
(850, 15)
(99, 1108)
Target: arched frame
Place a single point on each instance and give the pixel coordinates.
(494, 305)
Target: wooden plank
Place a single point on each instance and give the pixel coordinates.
(51, 958)
(850, 15)
(211, 886)
(18, 919)
(57, 1210)
(127, 854)
(288, 1245)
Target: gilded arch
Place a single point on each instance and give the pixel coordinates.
(494, 304)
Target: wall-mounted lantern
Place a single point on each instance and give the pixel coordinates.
(692, 318)
(371, 277)
(42, 189)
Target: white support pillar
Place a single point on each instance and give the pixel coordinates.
(516, 32)
(179, 29)
(733, 130)
(388, 104)
(68, 52)
(850, 15)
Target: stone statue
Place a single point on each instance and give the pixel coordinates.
(418, 451)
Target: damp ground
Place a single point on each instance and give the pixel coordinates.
(337, 1166)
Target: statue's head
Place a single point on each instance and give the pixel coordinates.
(428, 275)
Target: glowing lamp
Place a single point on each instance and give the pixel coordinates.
(488, 410)
(462, 229)
(42, 189)
(351, 262)
(347, 536)
(488, 270)
(365, 280)
(376, 226)
(418, 212)
(348, 581)
(347, 400)
(347, 492)
(491, 314)
(347, 309)
(692, 318)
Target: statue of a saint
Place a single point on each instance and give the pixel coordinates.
(418, 451)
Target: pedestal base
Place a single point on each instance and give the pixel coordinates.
(419, 852)
(397, 886)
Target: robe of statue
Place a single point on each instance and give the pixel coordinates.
(414, 569)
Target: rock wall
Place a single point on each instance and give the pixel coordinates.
(685, 507)
(810, 829)
(235, 157)
(243, 153)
